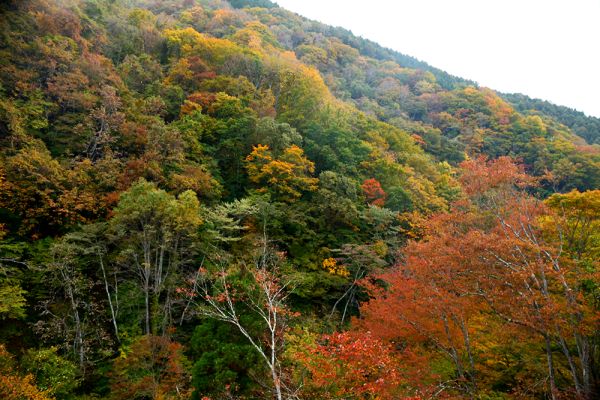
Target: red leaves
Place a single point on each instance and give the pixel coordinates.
(204, 99)
(374, 193)
(491, 261)
(353, 364)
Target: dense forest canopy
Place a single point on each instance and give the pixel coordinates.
(214, 200)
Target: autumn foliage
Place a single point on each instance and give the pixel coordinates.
(491, 262)
(16, 386)
(222, 198)
(154, 368)
(354, 364)
(287, 175)
(373, 192)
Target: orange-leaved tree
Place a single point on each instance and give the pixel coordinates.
(153, 368)
(352, 364)
(14, 386)
(493, 260)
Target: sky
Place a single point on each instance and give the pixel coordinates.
(548, 49)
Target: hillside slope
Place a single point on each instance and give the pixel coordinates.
(198, 198)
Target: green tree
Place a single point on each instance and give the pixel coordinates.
(53, 373)
(154, 230)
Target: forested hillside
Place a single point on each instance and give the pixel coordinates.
(582, 125)
(202, 199)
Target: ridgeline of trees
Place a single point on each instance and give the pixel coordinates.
(585, 126)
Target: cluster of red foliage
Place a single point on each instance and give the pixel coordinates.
(374, 193)
(355, 364)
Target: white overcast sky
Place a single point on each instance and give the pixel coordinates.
(548, 49)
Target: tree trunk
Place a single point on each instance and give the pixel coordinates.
(147, 303)
(551, 377)
(108, 296)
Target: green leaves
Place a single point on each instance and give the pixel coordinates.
(224, 358)
(12, 302)
(146, 206)
(121, 115)
(53, 373)
(155, 231)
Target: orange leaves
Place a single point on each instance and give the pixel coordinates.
(351, 364)
(256, 160)
(480, 176)
(14, 386)
(500, 109)
(490, 262)
(155, 367)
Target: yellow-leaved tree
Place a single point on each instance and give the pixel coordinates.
(285, 176)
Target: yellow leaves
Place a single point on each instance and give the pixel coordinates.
(256, 161)
(13, 387)
(188, 42)
(194, 178)
(288, 175)
(330, 265)
(380, 248)
(44, 193)
(302, 91)
(180, 72)
(424, 195)
(312, 54)
(534, 124)
(470, 91)
(288, 56)
(186, 210)
(587, 203)
(278, 168)
(183, 39)
(577, 219)
(189, 107)
(260, 152)
(139, 16)
(255, 36)
(412, 224)
(295, 156)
